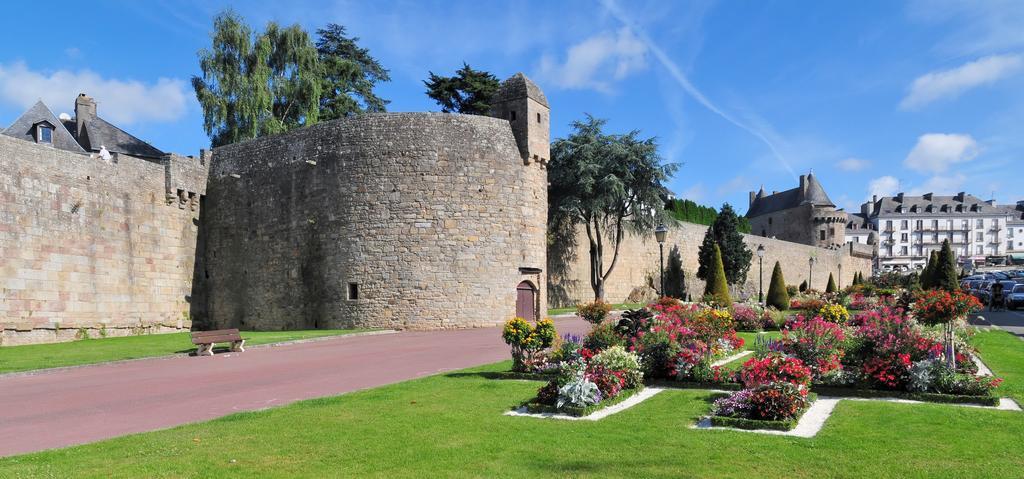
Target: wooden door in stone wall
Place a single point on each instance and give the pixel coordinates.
(526, 300)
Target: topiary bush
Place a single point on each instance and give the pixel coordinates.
(778, 294)
(831, 287)
(716, 286)
(593, 312)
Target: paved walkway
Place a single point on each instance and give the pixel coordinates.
(80, 405)
(1012, 321)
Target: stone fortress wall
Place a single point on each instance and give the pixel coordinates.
(392, 220)
(92, 247)
(569, 281)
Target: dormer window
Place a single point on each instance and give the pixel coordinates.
(44, 134)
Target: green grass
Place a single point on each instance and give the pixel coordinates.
(615, 307)
(1004, 354)
(91, 351)
(451, 425)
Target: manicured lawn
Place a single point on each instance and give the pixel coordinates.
(1004, 354)
(89, 351)
(615, 307)
(451, 425)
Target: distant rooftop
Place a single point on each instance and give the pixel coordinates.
(930, 204)
(86, 132)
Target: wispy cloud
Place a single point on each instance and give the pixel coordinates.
(941, 185)
(853, 164)
(598, 61)
(975, 27)
(684, 82)
(883, 186)
(120, 101)
(949, 84)
(935, 152)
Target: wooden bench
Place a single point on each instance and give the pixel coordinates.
(204, 340)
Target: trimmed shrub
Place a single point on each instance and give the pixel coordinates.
(594, 312)
(831, 287)
(716, 285)
(778, 295)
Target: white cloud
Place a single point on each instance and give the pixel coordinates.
(935, 152)
(883, 186)
(941, 185)
(853, 164)
(119, 101)
(592, 63)
(948, 84)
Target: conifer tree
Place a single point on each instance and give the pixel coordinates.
(778, 297)
(831, 287)
(716, 285)
(945, 269)
(725, 232)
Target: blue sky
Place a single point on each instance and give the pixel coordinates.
(874, 96)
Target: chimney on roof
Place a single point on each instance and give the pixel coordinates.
(751, 200)
(899, 197)
(85, 110)
(865, 208)
(803, 183)
(960, 197)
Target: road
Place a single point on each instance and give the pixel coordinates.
(79, 405)
(1012, 321)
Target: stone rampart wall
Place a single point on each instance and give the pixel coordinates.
(91, 247)
(637, 266)
(429, 216)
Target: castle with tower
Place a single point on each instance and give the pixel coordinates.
(804, 214)
(390, 220)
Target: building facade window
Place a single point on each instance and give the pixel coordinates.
(903, 237)
(935, 224)
(904, 224)
(919, 224)
(980, 223)
(979, 236)
(963, 224)
(903, 251)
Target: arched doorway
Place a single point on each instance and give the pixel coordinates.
(526, 301)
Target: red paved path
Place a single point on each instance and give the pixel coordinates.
(86, 404)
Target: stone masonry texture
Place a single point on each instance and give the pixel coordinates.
(394, 220)
(569, 282)
(92, 247)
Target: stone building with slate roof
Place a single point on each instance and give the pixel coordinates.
(804, 214)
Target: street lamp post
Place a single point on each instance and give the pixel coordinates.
(839, 280)
(810, 273)
(760, 274)
(659, 234)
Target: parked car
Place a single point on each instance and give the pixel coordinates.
(1015, 298)
(983, 291)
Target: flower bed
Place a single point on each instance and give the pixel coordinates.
(535, 407)
(767, 424)
(774, 395)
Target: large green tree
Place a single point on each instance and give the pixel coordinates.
(469, 91)
(735, 254)
(256, 84)
(350, 74)
(609, 183)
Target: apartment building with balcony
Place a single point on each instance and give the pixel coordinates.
(909, 228)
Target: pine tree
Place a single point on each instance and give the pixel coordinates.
(469, 91)
(945, 269)
(928, 275)
(831, 287)
(778, 297)
(725, 232)
(716, 286)
(803, 286)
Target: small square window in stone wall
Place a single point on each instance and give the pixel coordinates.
(353, 291)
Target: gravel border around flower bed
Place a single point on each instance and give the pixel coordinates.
(817, 414)
(600, 411)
